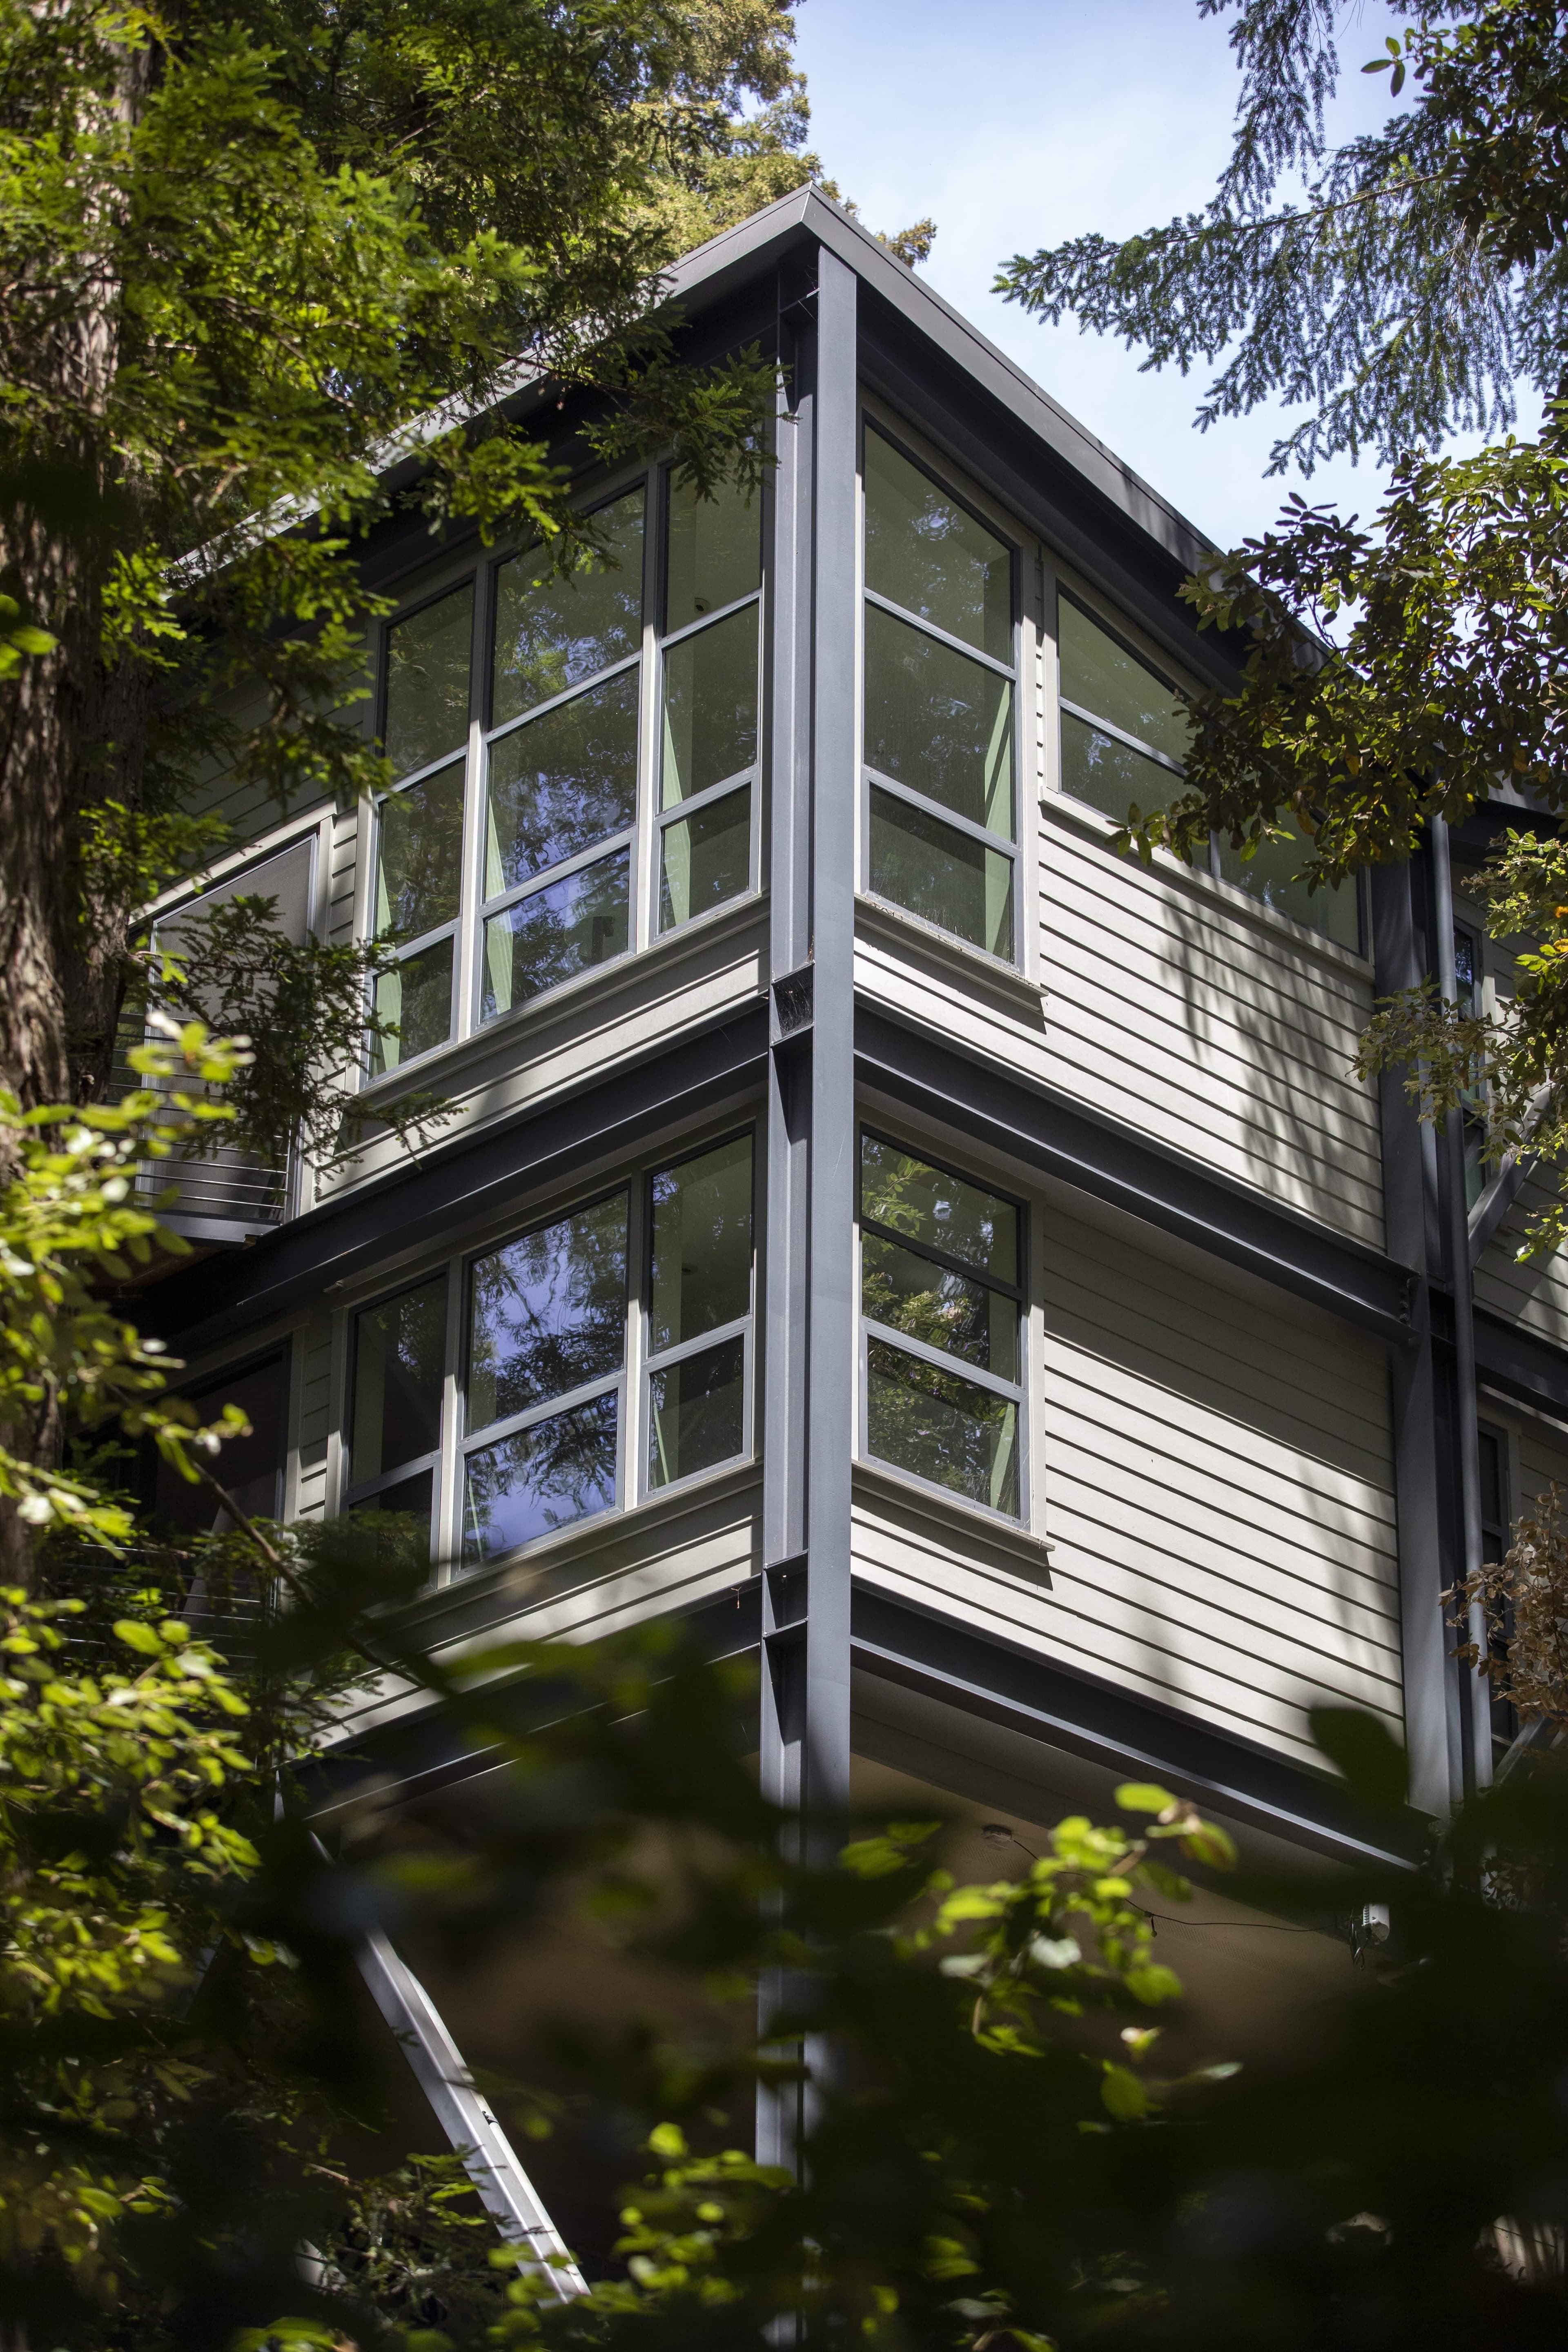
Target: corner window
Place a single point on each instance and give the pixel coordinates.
(397, 1368)
(573, 774)
(940, 1309)
(942, 799)
(604, 1355)
(560, 790)
(708, 754)
(1124, 736)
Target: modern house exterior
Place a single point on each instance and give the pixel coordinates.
(879, 1222)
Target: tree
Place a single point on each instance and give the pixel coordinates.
(241, 253)
(193, 2095)
(1404, 671)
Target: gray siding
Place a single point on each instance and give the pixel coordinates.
(1173, 1007)
(1217, 1489)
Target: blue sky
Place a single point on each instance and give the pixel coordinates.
(1016, 124)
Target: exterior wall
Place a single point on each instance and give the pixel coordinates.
(1226, 1032)
(1532, 1291)
(693, 976)
(1217, 1494)
(599, 1581)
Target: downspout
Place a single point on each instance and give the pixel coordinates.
(1477, 1730)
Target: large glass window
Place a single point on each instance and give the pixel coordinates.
(707, 748)
(940, 1307)
(574, 770)
(939, 706)
(1124, 736)
(417, 888)
(546, 1355)
(397, 1372)
(698, 1311)
(561, 775)
(549, 1428)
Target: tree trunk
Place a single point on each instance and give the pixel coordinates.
(61, 741)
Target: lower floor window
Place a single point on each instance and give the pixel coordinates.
(940, 1309)
(595, 1358)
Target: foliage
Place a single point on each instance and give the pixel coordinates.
(112, 1780)
(230, 966)
(71, 1223)
(1418, 275)
(1525, 1597)
(1410, 669)
(249, 256)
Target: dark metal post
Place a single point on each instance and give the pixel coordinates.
(1475, 1722)
(1411, 1212)
(809, 1322)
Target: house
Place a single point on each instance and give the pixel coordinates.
(880, 1220)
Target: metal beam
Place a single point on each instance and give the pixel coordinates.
(1062, 1138)
(1520, 1363)
(1028, 1693)
(466, 2116)
(1486, 1218)
(791, 995)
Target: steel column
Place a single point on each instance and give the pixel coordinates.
(804, 1709)
(1412, 1217)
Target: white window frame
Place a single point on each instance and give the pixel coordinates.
(1017, 1393)
(641, 842)
(873, 415)
(630, 1380)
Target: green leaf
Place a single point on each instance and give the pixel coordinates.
(1124, 2093)
(139, 1637)
(1365, 1754)
(1143, 1797)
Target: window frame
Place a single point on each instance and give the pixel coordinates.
(1063, 585)
(640, 843)
(867, 1328)
(869, 780)
(663, 820)
(630, 1380)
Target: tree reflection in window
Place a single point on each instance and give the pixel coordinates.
(941, 1299)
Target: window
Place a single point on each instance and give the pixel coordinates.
(398, 1358)
(569, 780)
(708, 754)
(1124, 734)
(941, 1307)
(560, 790)
(942, 800)
(600, 1356)
(250, 1469)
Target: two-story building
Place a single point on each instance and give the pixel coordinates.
(879, 1222)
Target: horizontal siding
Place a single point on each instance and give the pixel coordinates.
(1543, 1462)
(341, 883)
(1218, 1036)
(1218, 1492)
(313, 1359)
(1532, 1291)
(636, 1571)
(635, 1008)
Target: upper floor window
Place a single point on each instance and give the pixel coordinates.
(576, 825)
(941, 1340)
(1124, 735)
(940, 719)
(600, 1356)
